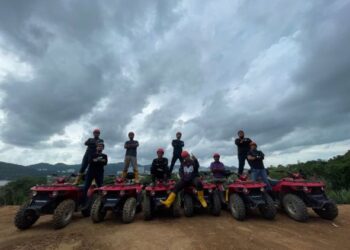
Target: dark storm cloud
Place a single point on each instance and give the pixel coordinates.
(279, 70)
(75, 63)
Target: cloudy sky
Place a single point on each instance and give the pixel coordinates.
(280, 70)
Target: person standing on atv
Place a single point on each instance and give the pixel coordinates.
(255, 159)
(96, 169)
(159, 168)
(178, 146)
(91, 144)
(242, 150)
(188, 177)
(217, 167)
(131, 156)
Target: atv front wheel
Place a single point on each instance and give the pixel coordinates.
(237, 207)
(176, 207)
(268, 210)
(97, 215)
(188, 205)
(24, 218)
(147, 208)
(328, 212)
(63, 214)
(295, 207)
(215, 207)
(129, 210)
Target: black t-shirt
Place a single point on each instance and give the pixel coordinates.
(131, 147)
(160, 167)
(189, 169)
(91, 144)
(243, 146)
(258, 162)
(178, 145)
(98, 161)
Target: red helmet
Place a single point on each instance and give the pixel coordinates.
(97, 130)
(216, 155)
(160, 150)
(253, 143)
(185, 154)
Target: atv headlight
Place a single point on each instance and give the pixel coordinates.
(104, 192)
(153, 193)
(306, 189)
(262, 189)
(34, 193)
(122, 193)
(54, 194)
(210, 190)
(322, 188)
(245, 190)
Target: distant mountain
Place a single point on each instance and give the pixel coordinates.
(9, 171)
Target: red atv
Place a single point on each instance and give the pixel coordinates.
(295, 194)
(153, 194)
(123, 197)
(244, 194)
(211, 195)
(61, 199)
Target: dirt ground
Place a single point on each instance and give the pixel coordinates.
(200, 232)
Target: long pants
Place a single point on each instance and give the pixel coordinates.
(90, 176)
(194, 182)
(260, 174)
(85, 162)
(241, 162)
(130, 159)
(173, 161)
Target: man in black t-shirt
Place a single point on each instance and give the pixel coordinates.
(256, 161)
(91, 144)
(159, 168)
(95, 170)
(178, 146)
(242, 150)
(131, 156)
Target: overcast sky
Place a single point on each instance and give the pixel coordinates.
(280, 70)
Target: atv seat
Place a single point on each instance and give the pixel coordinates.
(273, 182)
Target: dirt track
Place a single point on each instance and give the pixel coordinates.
(200, 232)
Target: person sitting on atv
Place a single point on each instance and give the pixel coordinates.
(255, 159)
(96, 169)
(159, 168)
(91, 144)
(131, 156)
(217, 168)
(188, 177)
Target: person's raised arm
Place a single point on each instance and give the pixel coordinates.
(251, 158)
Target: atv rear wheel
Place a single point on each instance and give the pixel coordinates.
(129, 210)
(176, 207)
(295, 207)
(147, 208)
(328, 212)
(215, 206)
(237, 207)
(63, 213)
(188, 205)
(268, 210)
(24, 218)
(97, 215)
